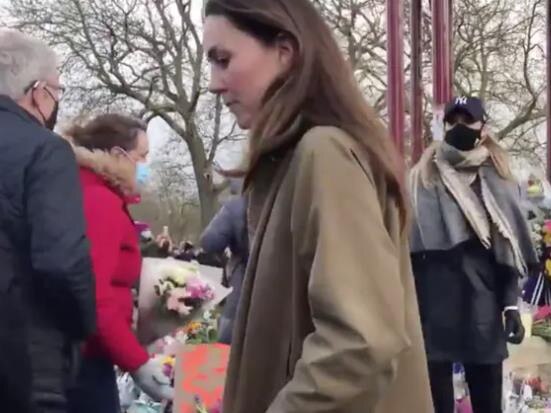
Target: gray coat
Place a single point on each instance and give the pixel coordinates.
(228, 229)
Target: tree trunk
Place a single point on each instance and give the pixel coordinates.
(208, 198)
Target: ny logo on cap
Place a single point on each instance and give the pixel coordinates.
(462, 100)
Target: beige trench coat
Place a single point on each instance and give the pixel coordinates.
(328, 320)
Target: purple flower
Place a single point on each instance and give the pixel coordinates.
(198, 289)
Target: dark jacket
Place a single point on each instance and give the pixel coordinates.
(46, 286)
(228, 229)
(462, 294)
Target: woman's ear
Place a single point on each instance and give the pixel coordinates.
(117, 152)
(286, 49)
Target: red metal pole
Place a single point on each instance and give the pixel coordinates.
(417, 79)
(441, 69)
(450, 43)
(549, 90)
(395, 52)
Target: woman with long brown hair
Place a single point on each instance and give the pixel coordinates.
(328, 319)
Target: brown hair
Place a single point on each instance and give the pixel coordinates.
(320, 86)
(105, 132)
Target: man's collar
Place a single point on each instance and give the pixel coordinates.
(7, 104)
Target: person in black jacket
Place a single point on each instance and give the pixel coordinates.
(470, 244)
(47, 303)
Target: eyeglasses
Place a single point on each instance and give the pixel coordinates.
(47, 86)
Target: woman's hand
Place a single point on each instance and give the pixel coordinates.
(152, 380)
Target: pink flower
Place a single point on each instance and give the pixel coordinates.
(167, 370)
(543, 313)
(175, 301)
(199, 289)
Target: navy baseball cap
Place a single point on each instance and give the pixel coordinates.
(470, 105)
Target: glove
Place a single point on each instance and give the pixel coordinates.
(514, 329)
(151, 379)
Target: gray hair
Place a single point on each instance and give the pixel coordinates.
(23, 60)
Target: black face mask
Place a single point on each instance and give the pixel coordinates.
(462, 137)
(52, 120)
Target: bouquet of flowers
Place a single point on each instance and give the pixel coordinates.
(527, 393)
(203, 330)
(181, 289)
(537, 289)
(541, 325)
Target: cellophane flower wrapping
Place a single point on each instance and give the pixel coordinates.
(528, 390)
(181, 289)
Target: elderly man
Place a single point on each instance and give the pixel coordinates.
(46, 284)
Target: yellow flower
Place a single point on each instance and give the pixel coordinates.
(168, 360)
(193, 327)
(548, 268)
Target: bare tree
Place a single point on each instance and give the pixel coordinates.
(498, 55)
(360, 29)
(147, 51)
(180, 215)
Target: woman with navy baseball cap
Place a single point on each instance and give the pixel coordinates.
(470, 243)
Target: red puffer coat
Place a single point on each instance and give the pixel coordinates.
(116, 259)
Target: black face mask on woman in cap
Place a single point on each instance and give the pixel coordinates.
(462, 137)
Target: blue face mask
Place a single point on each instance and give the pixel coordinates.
(142, 173)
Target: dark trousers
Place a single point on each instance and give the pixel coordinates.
(96, 388)
(485, 386)
(15, 363)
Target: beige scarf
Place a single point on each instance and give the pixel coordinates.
(458, 171)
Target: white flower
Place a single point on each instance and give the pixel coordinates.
(178, 275)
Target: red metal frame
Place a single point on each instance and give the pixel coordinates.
(441, 67)
(450, 42)
(395, 50)
(549, 90)
(416, 79)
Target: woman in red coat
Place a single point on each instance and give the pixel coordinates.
(111, 151)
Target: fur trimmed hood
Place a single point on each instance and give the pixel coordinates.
(116, 171)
